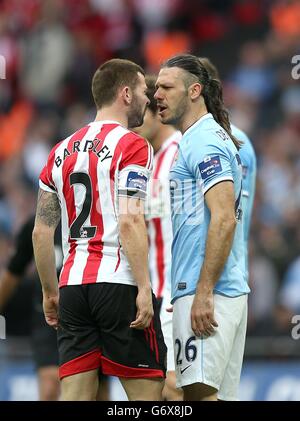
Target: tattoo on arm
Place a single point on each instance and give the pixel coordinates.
(48, 209)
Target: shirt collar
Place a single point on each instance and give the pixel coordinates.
(204, 117)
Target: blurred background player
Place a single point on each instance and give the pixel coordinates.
(95, 181)
(248, 159)
(43, 337)
(164, 139)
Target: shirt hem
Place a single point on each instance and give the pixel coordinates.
(97, 281)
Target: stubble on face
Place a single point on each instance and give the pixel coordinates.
(137, 112)
(173, 95)
(139, 103)
(177, 111)
(148, 129)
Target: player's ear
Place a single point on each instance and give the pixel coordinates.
(195, 91)
(126, 95)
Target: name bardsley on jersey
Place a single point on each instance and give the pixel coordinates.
(86, 146)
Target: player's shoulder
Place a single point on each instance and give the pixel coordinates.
(135, 137)
(240, 134)
(135, 150)
(55, 147)
(208, 132)
(133, 143)
(243, 137)
(247, 149)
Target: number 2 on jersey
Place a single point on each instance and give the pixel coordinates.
(78, 229)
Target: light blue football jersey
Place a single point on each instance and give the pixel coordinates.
(248, 159)
(206, 156)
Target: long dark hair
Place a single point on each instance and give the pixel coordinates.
(211, 90)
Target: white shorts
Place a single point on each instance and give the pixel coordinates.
(215, 360)
(167, 329)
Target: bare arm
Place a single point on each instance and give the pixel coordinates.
(134, 240)
(46, 221)
(221, 203)
(220, 200)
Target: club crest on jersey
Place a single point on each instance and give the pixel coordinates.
(136, 180)
(210, 166)
(83, 233)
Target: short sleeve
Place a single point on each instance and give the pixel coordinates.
(211, 163)
(135, 168)
(44, 182)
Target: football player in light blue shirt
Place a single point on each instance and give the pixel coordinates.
(248, 159)
(196, 171)
(209, 285)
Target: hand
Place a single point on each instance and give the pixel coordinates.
(50, 306)
(145, 311)
(202, 313)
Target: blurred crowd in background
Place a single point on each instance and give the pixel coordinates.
(53, 47)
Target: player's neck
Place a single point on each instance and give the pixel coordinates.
(112, 114)
(162, 135)
(191, 118)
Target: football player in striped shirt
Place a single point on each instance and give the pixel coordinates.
(164, 139)
(96, 181)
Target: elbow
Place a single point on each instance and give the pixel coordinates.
(125, 229)
(128, 223)
(226, 223)
(229, 224)
(40, 233)
(37, 235)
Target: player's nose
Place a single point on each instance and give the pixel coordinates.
(157, 94)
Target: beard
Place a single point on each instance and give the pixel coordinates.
(136, 113)
(175, 115)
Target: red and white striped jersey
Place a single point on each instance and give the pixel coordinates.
(159, 216)
(88, 171)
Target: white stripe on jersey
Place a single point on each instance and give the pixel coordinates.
(43, 186)
(160, 251)
(81, 253)
(110, 223)
(150, 156)
(80, 261)
(57, 178)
